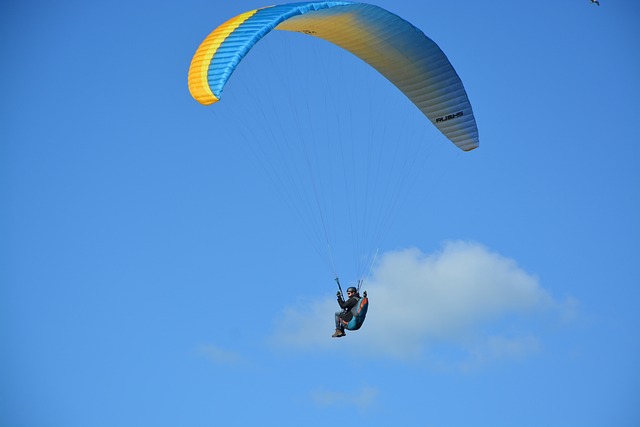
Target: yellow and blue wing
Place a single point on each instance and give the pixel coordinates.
(398, 50)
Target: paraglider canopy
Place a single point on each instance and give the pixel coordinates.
(394, 47)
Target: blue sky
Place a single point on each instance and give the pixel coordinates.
(152, 273)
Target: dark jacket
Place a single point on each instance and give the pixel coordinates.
(346, 306)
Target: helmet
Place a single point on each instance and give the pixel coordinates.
(352, 289)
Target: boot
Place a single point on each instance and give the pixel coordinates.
(338, 333)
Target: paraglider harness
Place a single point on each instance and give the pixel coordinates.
(359, 310)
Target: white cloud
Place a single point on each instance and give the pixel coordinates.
(220, 356)
(361, 399)
(463, 295)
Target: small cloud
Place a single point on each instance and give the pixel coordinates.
(499, 348)
(361, 399)
(464, 296)
(220, 356)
